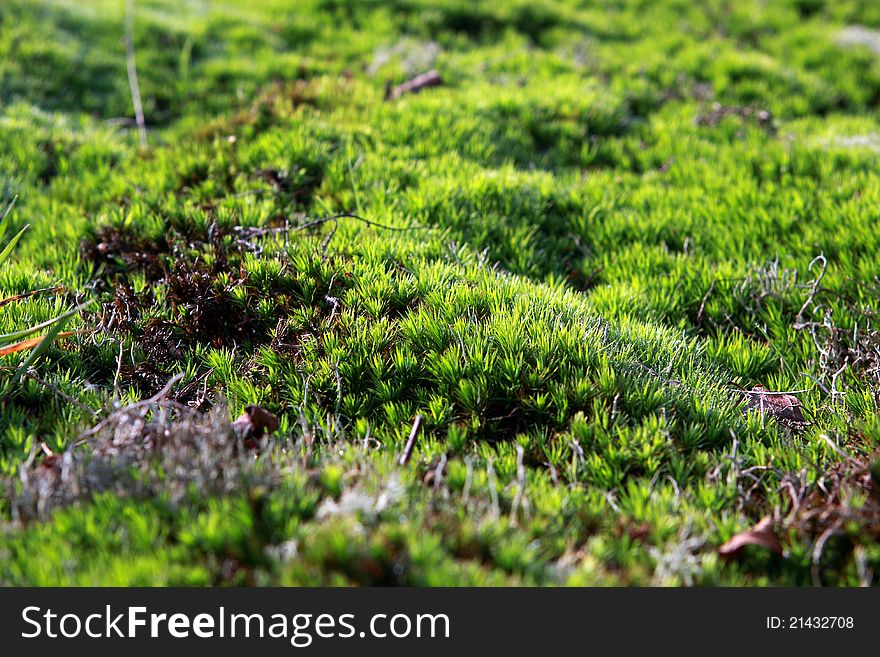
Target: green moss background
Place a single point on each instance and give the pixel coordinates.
(610, 221)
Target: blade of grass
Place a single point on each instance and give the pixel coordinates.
(30, 343)
(18, 335)
(6, 214)
(35, 353)
(8, 248)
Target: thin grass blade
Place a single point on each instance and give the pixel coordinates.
(8, 248)
(19, 335)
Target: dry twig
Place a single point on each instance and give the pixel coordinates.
(430, 79)
(132, 73)
(411, 441)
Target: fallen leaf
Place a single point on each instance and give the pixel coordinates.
(30, 343)
(762, 535)
(430, 79)
(779, 405)
(254, 422)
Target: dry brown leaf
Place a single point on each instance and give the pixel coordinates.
(762, 535)
(30, 343)
(430, 79)
(254, 422)
(779, 405)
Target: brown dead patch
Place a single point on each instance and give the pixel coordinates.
(124, 310)
(205, 312)
(209, 312)
(121, 250)
(199, 293)
(848, 492)
(203, 309)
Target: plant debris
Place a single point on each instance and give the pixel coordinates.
(26, 295)
(761, 117)
(411, 441)
(762, 535)
(848, 492)
(425, 80)
(121, 250)
(201, 303)
(126, 453)
(254, 423)
(778, 405)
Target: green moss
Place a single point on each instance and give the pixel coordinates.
(581, 249)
